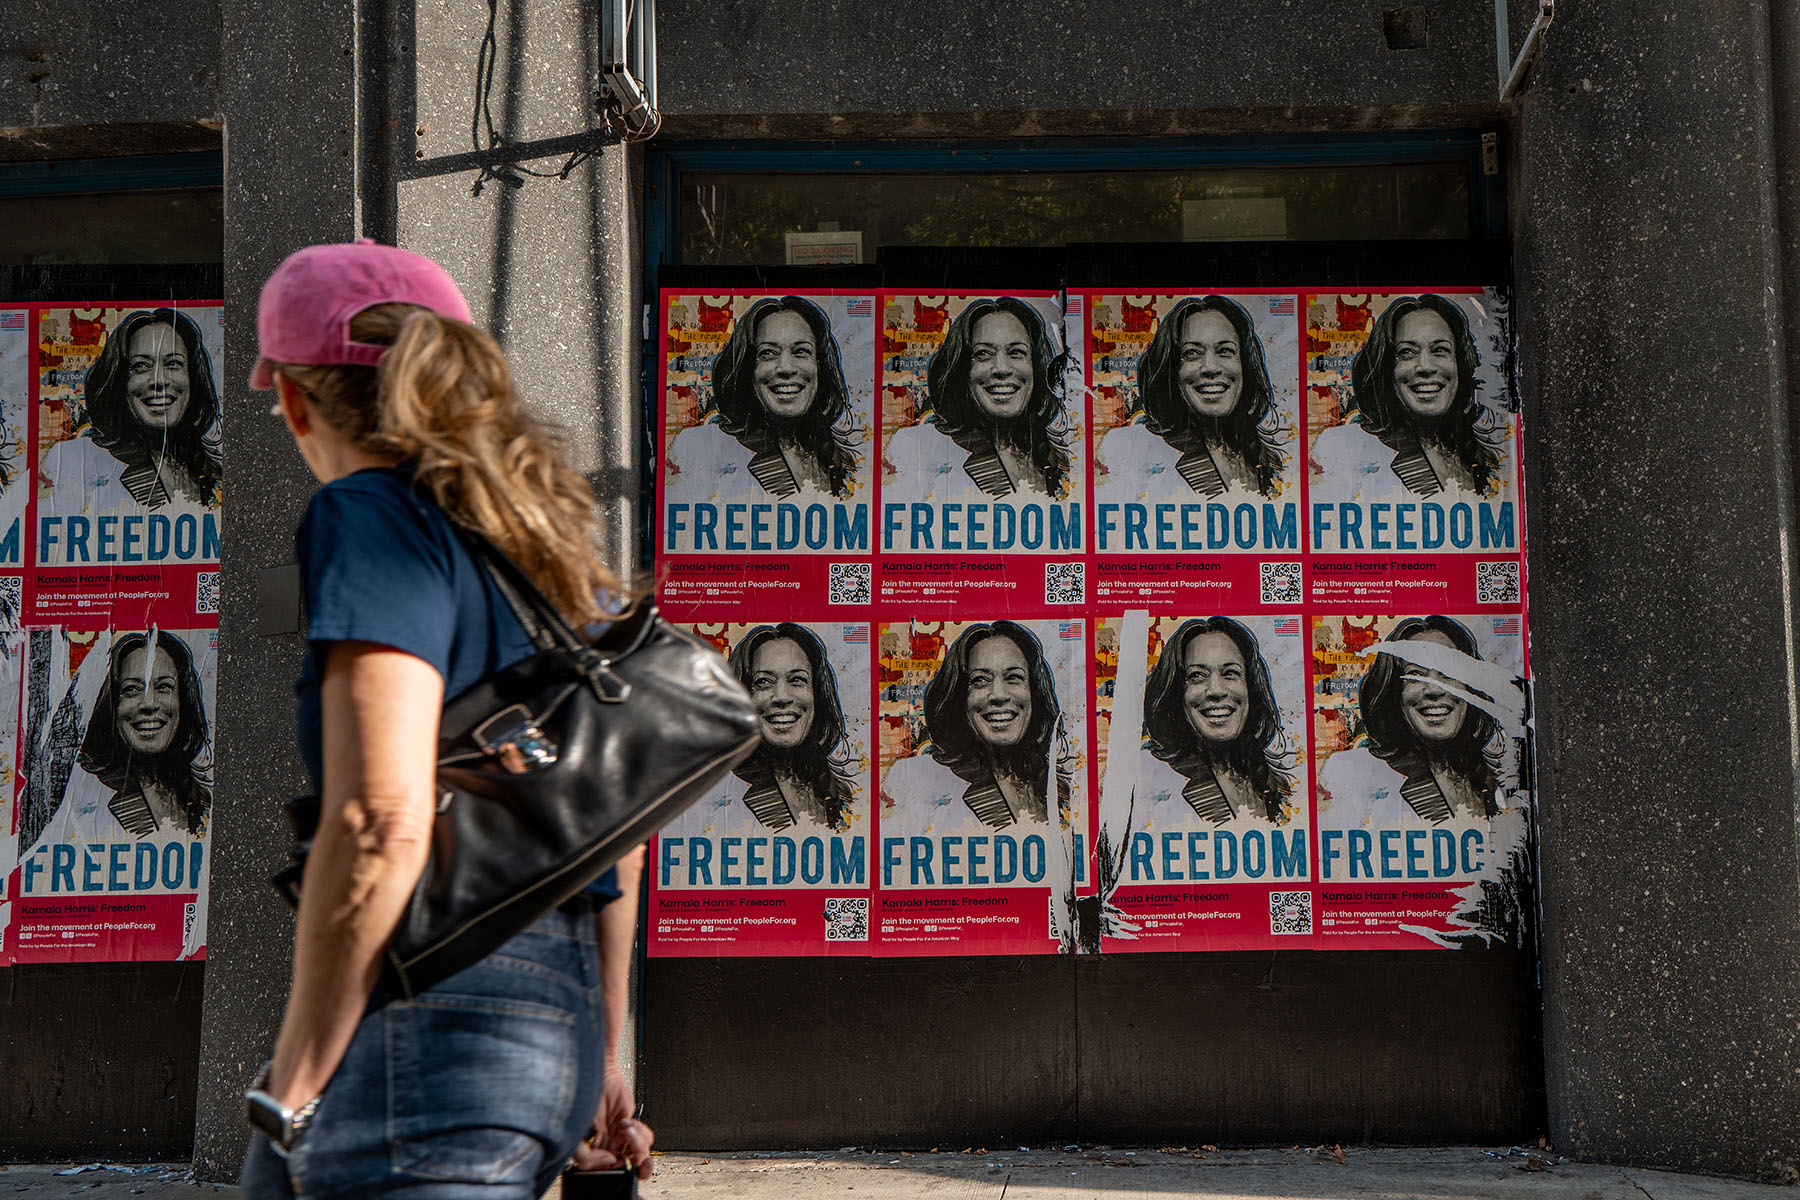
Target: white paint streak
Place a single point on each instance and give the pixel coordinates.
(1124, 744)
(1491, 688)
(1787, 625)
(1124, 740)
(1062, 870)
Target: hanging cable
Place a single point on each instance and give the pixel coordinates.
(508, 171)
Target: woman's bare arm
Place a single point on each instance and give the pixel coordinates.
(381, 708)
(618, 1134)
(616, 925)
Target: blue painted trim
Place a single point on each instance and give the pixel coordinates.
(138, 173)
(662, 212)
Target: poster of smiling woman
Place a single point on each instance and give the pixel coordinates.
(983, 811)
(775, 859)
(129, 468)
(983, 449)
(1420, 724)
(1203, 798)
(113, 823)
(1411, 424)
(1195, 406)
(767, 442)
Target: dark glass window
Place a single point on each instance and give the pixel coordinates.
(742, 218)
(181, 225)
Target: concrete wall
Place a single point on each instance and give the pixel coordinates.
(816, 68)
(1654, 312)
(288, 108)
(818, 56)
(69, 71)
(550, 267)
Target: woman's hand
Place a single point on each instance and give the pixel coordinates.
(620, 1137)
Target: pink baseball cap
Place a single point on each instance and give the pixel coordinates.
(304, 313)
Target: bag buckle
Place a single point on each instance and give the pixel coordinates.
(608, 687)
(512, 736)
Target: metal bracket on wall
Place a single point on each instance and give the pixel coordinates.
(628, 67)
(501, 160)
(1534, 41)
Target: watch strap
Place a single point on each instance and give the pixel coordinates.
(304, 1115)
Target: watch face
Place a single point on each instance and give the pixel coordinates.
(268, 1118)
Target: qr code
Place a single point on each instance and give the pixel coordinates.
(189, 911)
(1496, 583)
(1290, 912)
(12, 597)
(1065, 583)
(847, 919)
(849, 583)
(1281, 583)
(206, 592)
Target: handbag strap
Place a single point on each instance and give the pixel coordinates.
(543, 624)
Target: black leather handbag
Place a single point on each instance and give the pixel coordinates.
(550, 770)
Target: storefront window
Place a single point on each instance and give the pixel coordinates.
(743, 218)
(177, 226)
(135, 210)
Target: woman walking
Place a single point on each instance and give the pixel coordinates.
(484, 1084)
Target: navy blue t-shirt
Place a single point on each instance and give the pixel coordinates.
(381, 563)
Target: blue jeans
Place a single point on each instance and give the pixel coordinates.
(477, 1088)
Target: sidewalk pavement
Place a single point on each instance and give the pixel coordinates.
(1454, 1173)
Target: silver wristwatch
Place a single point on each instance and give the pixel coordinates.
(273, 1119)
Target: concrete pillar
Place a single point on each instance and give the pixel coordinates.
(1653, 313)
(550, 266)
(290, 179)
(325, 105)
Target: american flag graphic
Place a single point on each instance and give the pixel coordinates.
(221, 318)
(1287, 626)
(12, 321)
(1075, 305)
(1069, 631)
(1281, 306)
(856, 635)
(862, 306)
(1506, 626)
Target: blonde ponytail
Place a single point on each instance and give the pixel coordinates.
(443, 399)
